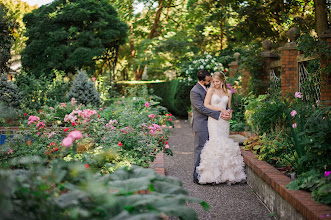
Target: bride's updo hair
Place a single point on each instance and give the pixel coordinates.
(220, 75)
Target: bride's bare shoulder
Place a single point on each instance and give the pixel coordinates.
(211, 90)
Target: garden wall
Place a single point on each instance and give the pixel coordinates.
(270, 185)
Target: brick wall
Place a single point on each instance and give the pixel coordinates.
(289, 74)
(246, 77)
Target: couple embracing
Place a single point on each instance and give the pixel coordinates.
(217, 158)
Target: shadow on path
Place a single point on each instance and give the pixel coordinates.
(226, 202)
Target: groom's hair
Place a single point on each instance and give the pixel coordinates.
(202, 74)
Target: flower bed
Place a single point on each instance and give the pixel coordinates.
(81, 163)
(270, 185)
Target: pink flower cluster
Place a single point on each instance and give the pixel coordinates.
(298, 95)
(111, 124)
(293, 113)
(152, 116)
(73, 101)
(72, 136)
(232, 89)
(152, 128)
(75, 114)
(33, 119)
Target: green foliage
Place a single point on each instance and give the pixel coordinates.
(7, 27)
(313, 46)
(175, 96)
(315, 182)
(237, 122)
(42, 91)
(70, 35)
(7, 114)
(299, 143)
(16, 9)
(83, 90)
(264, 113)
(128, 131)
(10, 94)
(252, 61)
(311, 138)
(69, 190)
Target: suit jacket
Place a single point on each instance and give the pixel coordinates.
(200, 112)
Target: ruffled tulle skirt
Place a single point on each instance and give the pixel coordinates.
(221, 162)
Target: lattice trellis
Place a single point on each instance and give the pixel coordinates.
(309, 83)
(275, 82)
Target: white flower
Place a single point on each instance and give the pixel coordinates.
(208, 66)
(215, 68)
(201, 67)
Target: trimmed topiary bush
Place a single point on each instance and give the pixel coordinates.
(83, 90)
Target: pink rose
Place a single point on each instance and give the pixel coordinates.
(93, 79)
(67, 142)
(293, 113)
(298, 95)
(147, 104)
(166, 146)
(294, 125)
(151, 116)
(75, 135)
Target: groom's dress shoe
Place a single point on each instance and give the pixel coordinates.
(196, 181)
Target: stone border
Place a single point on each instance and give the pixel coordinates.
(291, 201)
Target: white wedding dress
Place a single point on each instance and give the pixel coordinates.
(220, 160)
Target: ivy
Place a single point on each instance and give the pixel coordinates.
(312, 46)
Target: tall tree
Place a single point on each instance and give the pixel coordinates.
(72, 34)
(321, 16)
(16, 9)
(7, 29)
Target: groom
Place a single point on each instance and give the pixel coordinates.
(200, 116)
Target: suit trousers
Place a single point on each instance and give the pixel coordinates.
(200, 139)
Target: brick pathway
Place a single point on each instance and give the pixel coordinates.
(226, 202)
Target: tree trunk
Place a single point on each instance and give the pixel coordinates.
(156, 20)
(221, 26)
(320, 16)
(151, 35)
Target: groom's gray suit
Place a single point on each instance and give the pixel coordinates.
(200, 120)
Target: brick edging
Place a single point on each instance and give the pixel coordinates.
(158, 164)
(299, 199)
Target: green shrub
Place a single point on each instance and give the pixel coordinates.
(72, 190)
(83, 90)
(264, 114)
(42, 91)
(10, 94)
(175, 96)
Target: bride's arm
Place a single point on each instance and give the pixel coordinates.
(207, 101)
(229, 103)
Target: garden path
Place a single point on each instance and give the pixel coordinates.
(234, 202)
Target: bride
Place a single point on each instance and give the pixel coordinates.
(221, 160)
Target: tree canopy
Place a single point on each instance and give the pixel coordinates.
(72, 34)
(7, 28)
